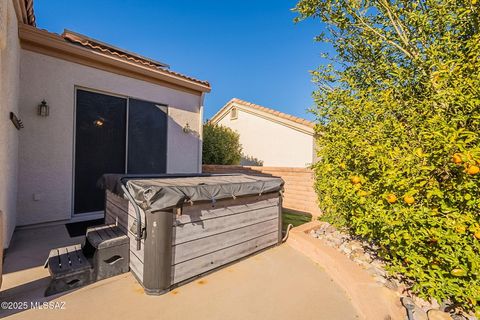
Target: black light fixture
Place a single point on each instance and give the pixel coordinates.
(43, 109)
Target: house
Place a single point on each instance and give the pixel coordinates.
(269, 137)
(73, 108)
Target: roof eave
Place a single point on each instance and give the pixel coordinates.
(285, 122)
(24, 11)
(44, 42)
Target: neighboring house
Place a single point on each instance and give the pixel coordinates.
(106, 110)
(269, 137)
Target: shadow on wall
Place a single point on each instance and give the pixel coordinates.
(250, 161)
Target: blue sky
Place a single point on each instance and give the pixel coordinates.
(247, 49)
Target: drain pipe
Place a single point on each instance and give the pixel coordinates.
(139, 233)
(290, 226)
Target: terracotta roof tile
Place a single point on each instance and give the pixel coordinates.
(273, 112)
(123, 54)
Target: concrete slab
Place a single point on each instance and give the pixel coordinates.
(279, 283)
(370, 299)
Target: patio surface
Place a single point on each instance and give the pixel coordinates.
(279, 283)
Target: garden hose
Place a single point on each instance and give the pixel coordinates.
(290, 226)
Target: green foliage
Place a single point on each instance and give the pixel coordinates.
(399, 108)
(295, 219)
(221, 145)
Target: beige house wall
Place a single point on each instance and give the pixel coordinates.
(9, 85)
(46, 144)
(271, 142)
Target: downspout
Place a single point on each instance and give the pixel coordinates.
(139, 233)
(200, 134)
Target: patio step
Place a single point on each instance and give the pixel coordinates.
(69, 269)
(109, 249)
(104, 254)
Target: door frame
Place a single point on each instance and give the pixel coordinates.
(100, 214)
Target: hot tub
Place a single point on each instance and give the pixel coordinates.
(181, 227)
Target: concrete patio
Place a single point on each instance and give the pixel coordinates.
(279, 283)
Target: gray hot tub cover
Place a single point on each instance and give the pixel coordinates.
(165, 191)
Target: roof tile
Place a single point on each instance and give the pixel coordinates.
(112, 51)
(274, 112)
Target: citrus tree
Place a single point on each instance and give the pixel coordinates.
(221, 145)
(398, 112)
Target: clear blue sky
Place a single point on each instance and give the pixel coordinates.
(247, 49)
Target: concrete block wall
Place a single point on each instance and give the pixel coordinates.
(299, 192)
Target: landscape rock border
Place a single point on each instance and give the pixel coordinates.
(364, 254)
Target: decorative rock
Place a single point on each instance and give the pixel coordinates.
(391, 285)
(376, 271)
(380, 280)
(438, 315)
(364, 254)
(354, 245)
(418, 313)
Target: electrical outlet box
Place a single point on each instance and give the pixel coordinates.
(37, 196)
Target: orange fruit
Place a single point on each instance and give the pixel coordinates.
(460, 229)
(477, 234)
(409, 199)
(472, 170)
(458, 272)
(391, 198)
(362, 193)
(457, 159)
(355, 180)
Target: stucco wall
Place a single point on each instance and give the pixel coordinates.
(271, 142)
(46, 144)
(9, 82)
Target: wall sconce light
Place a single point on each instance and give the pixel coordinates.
(43, 109)
(189, 130)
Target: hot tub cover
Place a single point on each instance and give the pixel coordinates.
(165, 191)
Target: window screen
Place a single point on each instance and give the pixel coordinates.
(147, 137)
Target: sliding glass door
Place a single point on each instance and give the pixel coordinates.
(106, 127)
(147, 139)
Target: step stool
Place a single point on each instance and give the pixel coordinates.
(69, 269)
(109, 249)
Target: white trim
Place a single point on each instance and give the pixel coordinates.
(200, 134)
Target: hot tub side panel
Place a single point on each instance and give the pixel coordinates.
(206, 237)
(120, 211)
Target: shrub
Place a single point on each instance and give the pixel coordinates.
(398, 136)
(221, 145)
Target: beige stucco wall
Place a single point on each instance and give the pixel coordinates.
(9, 82)
(273, 143)
(46, 144)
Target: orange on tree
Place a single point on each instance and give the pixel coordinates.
(355, 179)
(460, 229)
(477, 234)
(409, 199)
(472, 170)
(457, 159)
(391, 198)
(458, 272)
(362, 193)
